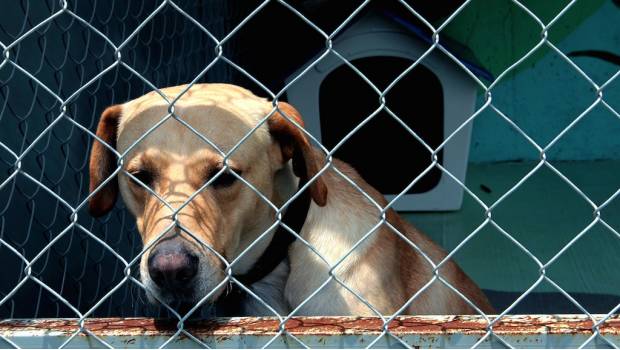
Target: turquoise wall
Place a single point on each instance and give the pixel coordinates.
(549, 94)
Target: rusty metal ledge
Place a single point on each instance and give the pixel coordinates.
(528, 324)
(409, 328)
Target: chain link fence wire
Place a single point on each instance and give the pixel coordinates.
(65, 61)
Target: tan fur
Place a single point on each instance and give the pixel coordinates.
(383, 269)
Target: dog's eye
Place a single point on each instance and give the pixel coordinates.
(144, 176)
(225, 179)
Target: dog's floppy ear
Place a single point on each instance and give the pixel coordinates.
(103, 163)
(306, 160)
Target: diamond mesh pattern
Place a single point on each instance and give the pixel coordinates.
(64, 61)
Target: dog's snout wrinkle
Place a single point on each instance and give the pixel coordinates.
(172, 266)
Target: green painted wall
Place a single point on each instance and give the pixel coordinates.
(544, 94)
(500, 32)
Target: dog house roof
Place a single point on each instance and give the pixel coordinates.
(462, 53)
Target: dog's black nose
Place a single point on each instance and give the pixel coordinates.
(172, 266)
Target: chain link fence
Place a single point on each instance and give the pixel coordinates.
(65, 61)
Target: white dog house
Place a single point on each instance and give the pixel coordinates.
(434, 99)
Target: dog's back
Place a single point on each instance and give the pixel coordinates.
(383, 269)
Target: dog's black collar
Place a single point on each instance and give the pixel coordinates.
(275, 253)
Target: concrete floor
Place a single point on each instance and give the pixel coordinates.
(544, 214)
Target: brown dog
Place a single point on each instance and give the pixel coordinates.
(183, 262)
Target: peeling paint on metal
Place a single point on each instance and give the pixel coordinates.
(533, 331)
(317, 326)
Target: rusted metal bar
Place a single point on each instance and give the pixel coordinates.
(418, 331)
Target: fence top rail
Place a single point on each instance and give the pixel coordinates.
(316, 326)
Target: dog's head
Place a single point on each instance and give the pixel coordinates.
(187, 227)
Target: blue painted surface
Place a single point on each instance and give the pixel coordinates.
(546, 97)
